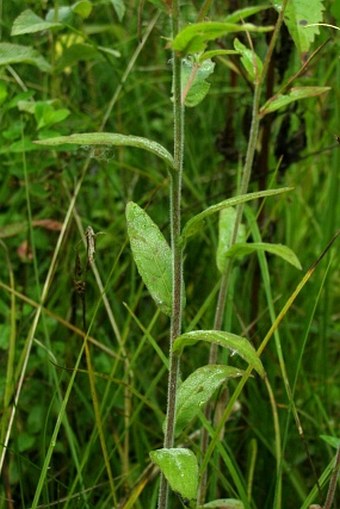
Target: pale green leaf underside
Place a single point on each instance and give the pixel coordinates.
(152, 255)
(250, 61)
(194, 38)
(28, 23)
(194, 224)
(226, 503)
(17, 54)
(111, 139)
(194, 84)
(284, 252)
(180, 468)
(295, 94)
(237, 344)
(226, 225)
(198, 388)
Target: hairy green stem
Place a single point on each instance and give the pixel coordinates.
(177, 259)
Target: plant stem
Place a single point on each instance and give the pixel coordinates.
(225, 280)
(333, 481)
(177, 259)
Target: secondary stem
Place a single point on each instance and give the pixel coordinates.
(177, 260)
(225, 280)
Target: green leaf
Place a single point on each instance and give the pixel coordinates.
(28, 23)
(17, 54)
(152, 255)
(237, 344)
(242, 14)
(250, 61)
(194, 38)
(66, 13)
(195, 224)
(295, 94)
(225, 232)
(223, 503)
(284, 252)
(198, 388)
(216, 53)
(119, 8)
(194, 84)
(180, 468)
(111, 139)
(83, 8)
(297, 15)
(330, 440)
(47, 116)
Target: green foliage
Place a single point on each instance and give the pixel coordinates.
(236, 344)
(196, 390)
(84, 350)
(180, 468)
(298, 15)
(152, 255)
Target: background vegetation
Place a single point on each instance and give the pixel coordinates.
(77, 427)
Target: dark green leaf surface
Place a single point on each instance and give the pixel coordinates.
(152, 255)
(197, 389)
(194, 38)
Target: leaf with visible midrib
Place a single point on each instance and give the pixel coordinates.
(198, 388)
(111, 139)
(245, 248)
(28, 23)
(152, 255)
(180, 469)
(237, 344)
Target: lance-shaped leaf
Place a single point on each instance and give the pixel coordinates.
(237, 344)
(194, 38)
(179, 467)
(225, 503)
(226, 227)
(198, 388)
(284, 252)
(152, 255)
(242, 14)
(113, 140)
(330, 440)
(28, 23)
(216, 53)
(196, 223)
(17, 54)
(295, 94)
(298, 14)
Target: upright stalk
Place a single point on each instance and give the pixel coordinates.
(225, 280)
(177, 262)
